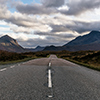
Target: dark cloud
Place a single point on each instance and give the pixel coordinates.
(59, 28)
(49, 7)
(61, 35)
(53, 3)
(34, 9)
(82, 27)
(19, 21)
(80, 6)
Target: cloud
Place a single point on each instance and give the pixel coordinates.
(82, 27)
(59, 28)
(4, 13)
(47, 24)
(42, 42)
(53, 3)
(21, 29)
(47, 7)
(80, 6)
(33, 8)
(50, 7)
(2, 2)
(19, 20)
(56, 35)
(48, 20)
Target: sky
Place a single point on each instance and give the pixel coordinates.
(48, 22)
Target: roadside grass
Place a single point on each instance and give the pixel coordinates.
(11, 58)
(16, 61)
(91, 66)
(90, 59)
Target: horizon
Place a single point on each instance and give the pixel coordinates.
(48, 22)
(51, 44)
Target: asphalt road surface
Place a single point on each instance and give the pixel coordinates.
(49, 79)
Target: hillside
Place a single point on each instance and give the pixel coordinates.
(90, 41)
(92, 38)
(9, 44)
(38, 48)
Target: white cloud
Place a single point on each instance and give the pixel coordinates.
(51, 22)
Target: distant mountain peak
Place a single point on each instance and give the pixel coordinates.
(6, 36)
(9, 44)
(94, 31)
(38, 47)
(92, 37)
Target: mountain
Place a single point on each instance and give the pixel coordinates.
(91, 38)
(38, 48)
(52, 48)
(9, 44)
(90, 41)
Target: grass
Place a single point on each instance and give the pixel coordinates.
(30, 56)
(90, 59)
(16, 61)
(85, 64)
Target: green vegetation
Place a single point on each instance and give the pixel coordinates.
(90, 59)
(10, 57)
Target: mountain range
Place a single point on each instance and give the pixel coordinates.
(90, 41)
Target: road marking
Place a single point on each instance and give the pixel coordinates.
(12, 66)
(49, 64)
(18, 64)
(3, 69)
(49, 79)
(50, 82)
(50, 96)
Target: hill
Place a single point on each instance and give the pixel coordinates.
(90, 41)
(91, 38)
(38, 48)
(9, 44)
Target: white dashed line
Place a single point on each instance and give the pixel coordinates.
(50, 96)
(12, 66)
(3, 69)
(49, 64)
(49, 79)
(50, 82)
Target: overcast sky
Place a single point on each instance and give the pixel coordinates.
(48, 22)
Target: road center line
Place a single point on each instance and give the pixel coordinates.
(49, 64)
(50, 82)
(3, 69)
(50, 96)
(12, 66)
(49, 79)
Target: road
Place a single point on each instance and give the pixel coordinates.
(49, 79)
